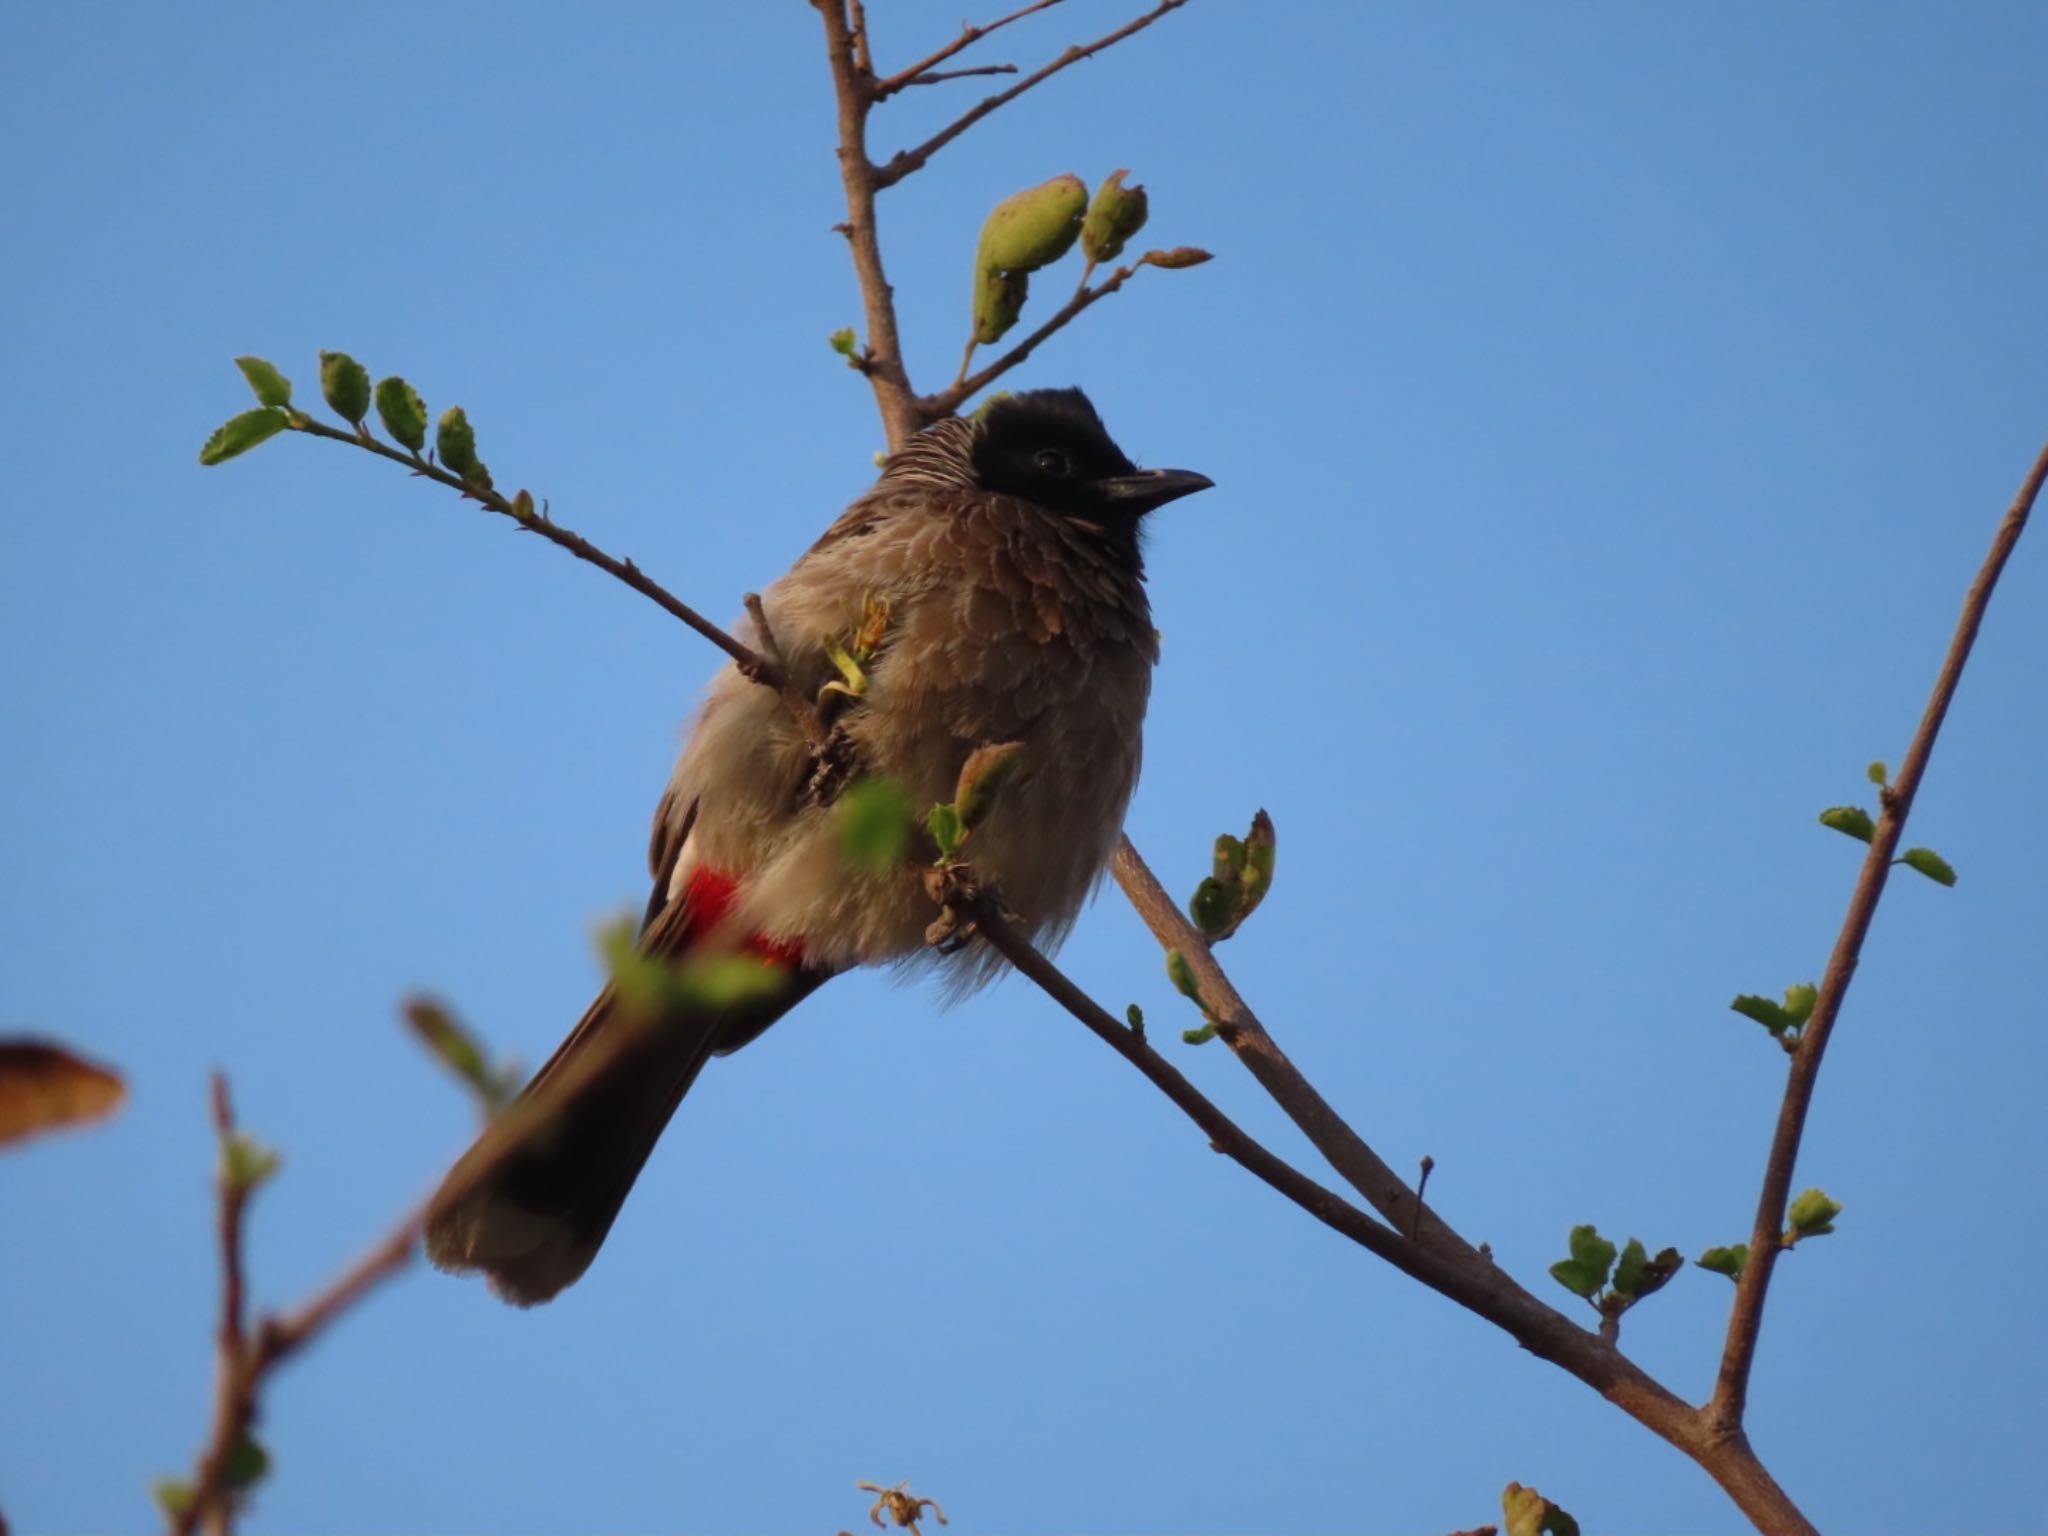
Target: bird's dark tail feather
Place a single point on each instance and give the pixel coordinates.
(534, 1222)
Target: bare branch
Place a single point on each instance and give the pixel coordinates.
(1745, 1320)
(938, 76)
(1342, 1147)
(904, 162)
(1474, 1283)
(853, 87)
(920, 72)
(761, 669)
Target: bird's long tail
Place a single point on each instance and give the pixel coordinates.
(533, 1221)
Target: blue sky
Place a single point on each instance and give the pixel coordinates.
(1608, 406)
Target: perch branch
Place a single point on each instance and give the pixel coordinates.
(920, 73)
(1745, 1318)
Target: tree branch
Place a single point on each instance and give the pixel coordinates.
(1474, 1283)
(1745, 1319)
(853, 86)
(904, 162)
(963, 389)
(767, 670)
(920, 72)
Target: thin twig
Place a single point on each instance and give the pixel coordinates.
(1476, 1285)
(904, 162)
(762, 669)
(965, 387)
(939, 76)
(1239, 1028)
(920, 72)
(1745, 1319)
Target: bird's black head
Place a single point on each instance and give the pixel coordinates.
(1048, 446)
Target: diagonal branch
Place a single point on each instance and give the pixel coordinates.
(1474, 1283)
(954, 395)
(917, 73)
(1745, 1320)
(761, 668)
(904, 162)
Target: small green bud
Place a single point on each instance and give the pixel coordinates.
(241, 433)
(1812, 1215)
(1116, 214)
(1135, 1017)
(842, 341)
(1179, 256)
(403, 413)
(346, 385)
(1260, 844)
(455, 445)
(1878, 774)
(998, 301)
(1799, 1001)
(1033, 228)
(1182, 975)
(982, 777)
(271, 387)
(947, 829)
(1727, 1261)
(173, 1496)
(1213, 906)
(245, 1465)
(1201, 1036)
(245, 1163)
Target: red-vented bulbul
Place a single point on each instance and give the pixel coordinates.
(1006, 548)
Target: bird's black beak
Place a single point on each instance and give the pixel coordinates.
(1150, 488)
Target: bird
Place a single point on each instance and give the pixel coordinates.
(997, 567)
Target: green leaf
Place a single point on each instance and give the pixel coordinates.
(874, 824)
(457, 1049)
(656, 989)
(173, 1495)
(842, 341)
(1527, 1513)
(948, 829)
(271, 387)
(1592, 1251)
(245, 1465)
(1766, 1012)
(241, 433)
(1799, 1001)
(1182, 975)
(1638, 1275)
(455, 446)
(1727, 1261)
(1200, 1036)
(1930, 864)
(1850, 820)
(1575, 1277)
(245, 1162)
(1812, 1214)
(403, 413)
(1878, 774)
(345, 383)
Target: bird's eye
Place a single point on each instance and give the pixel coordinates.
(1053, 462)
